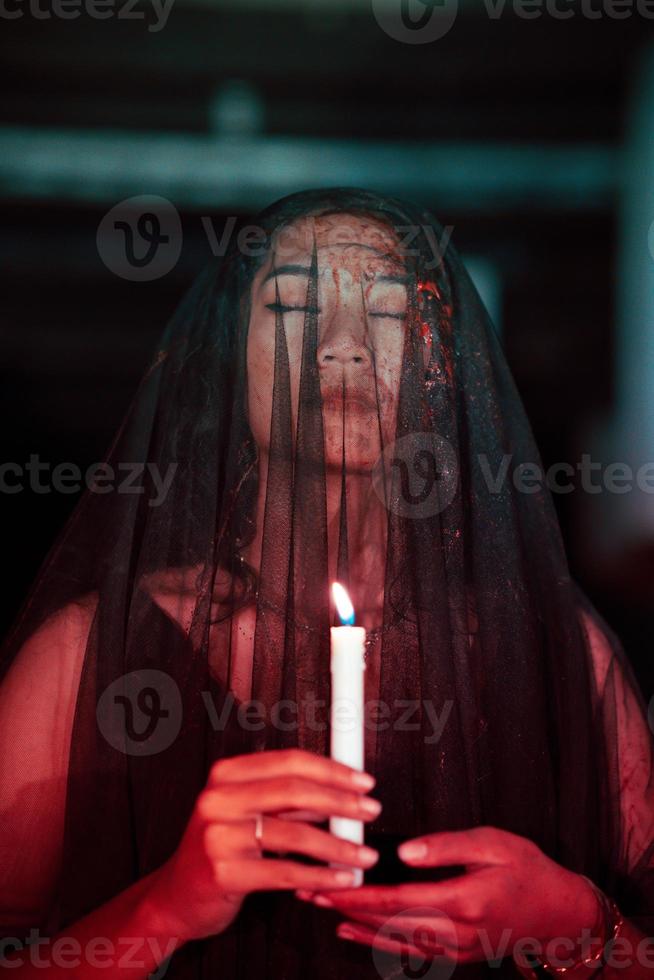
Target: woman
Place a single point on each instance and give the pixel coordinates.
(334, 404)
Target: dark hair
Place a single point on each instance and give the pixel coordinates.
(242, 267)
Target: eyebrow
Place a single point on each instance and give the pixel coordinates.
(287, 270)
(303, 270)
(393, 277)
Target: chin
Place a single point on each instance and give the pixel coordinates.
(362, 446)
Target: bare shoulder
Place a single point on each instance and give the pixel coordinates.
(630, 736)
(38, 696)
(56, 647)
(37, 702)
(618, 685)
(600, 648)
(69, 625)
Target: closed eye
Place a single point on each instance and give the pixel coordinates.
(281, 308)
(393, 316)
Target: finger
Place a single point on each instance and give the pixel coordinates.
(232, 840)
(439, 935)
(444, 898)
(244, 876)
(373, 918)
(409, 924)
(477, 846)
(419, 928)
(289, 762)
(308, 816)
(355, 932)
(228, 841)
(301, 838)
(238, 800)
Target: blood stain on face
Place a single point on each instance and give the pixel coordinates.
(361, 315)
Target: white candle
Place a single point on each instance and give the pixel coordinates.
(347, 711)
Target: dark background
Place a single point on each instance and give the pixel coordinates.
(511, 130)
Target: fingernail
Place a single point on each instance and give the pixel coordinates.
(344, 933)
(368, 855)
(363, 779)
(368, 805)
(325, 903)
(344, 877)
(304, 895)
(412, 851)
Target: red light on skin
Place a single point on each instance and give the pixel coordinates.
(428, 290)
(429, 287)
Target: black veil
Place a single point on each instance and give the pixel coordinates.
(505, 699)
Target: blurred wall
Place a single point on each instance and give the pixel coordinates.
(513, 128)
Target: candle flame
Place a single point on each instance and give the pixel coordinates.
(343, 603)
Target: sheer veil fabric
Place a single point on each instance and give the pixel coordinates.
(333, 404)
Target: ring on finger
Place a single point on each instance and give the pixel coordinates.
(258, 831)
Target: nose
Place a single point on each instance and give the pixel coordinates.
(343, 344)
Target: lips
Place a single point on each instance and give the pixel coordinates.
(355, 402)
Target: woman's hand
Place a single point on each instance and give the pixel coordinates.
(200, 889)
(511, 891)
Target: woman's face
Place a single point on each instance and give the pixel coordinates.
(362, 300)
